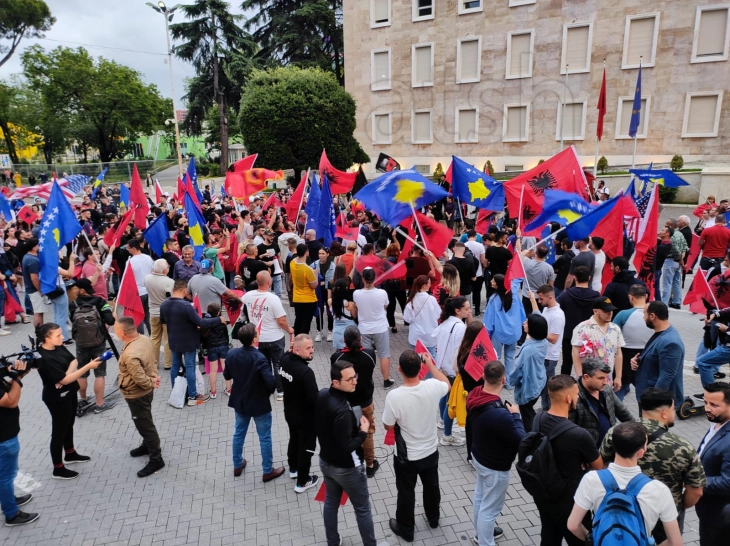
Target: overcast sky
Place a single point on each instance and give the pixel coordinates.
(109, 29)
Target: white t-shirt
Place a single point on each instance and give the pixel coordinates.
(265, 307)
(142, 266)
(477, 249)
(423, 315)
(371, 306)
(598, 271)
(655, 499)
(284, 243)
(556, 324)
(448, 336)
(413, 409)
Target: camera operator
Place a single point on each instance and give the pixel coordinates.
(10, 448)
(60, 373)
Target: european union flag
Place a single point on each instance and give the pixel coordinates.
(636, 109)
(193, 177)
(584, 226)
(550, 244)
(124, 198)
(98, 182)
(326, 224)
(313, 199)
(560, 206)
(394, 195)
(196, 226)
(157, 234)
(472, 186)
(58, 228)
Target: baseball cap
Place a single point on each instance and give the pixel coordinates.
(268, 231)
(205, 265)
(84, 284)
(604, 304)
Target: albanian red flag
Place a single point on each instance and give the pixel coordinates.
(244, 183)
(699, 290)
(398, 271)
(180, 195)
(294, 205)
(694, 251)
(27, 215)
(158, 192)
(233, 306)
(408, 245)
(378, 265)
(611, 229)
(128, 297)
(646, 241)
(516, 270)
(272, 201)
(139, 199)
(482, 351)
(340, 181)
(244, 164)
(483, 221)
(113, 236)
(436, 237)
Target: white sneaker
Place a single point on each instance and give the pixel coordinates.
(319, 337)
(440, 424)
(5, 332)
(279, 396)
(452, 441)
(329, 336)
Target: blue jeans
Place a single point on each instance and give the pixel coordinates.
(550, 366)
(710, 362)
(263, 429)
(276, 285)
(671, 282)
(60, 313)
(444, 411)
(187, 360)
(508, 357)
(489, 494)
(338, 332)
(9, 451)
(354, 482)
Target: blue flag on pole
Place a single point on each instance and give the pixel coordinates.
(196, 226)
(584, 226)
(326, 214)
(560, 206)
(471, 186)
(124, 198)
(98, 183)
(636, 108)
(156, 234)
(5, 208)
(313, 199)
(663, 177)
(193, 177)
(58, 228)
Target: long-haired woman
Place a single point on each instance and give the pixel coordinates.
(503, 320)
(449, 285)
(344, 310)
(422, 313)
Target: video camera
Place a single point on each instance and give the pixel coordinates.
(29, 355)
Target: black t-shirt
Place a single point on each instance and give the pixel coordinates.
(586, 259)
(265, 252)
(572, 450)
(249, 268)
(53, 368)
(466, 269)
(562, 268)
(9, 421)
(663, 251)
(498, 258)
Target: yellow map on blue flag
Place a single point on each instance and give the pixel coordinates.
(472, 186)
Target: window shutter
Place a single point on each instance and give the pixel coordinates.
(516, 122)
(520, 57)
(576, 48)
(470, 60)
(572, 121)
(380, 11)
(422, 127)
(467, 125)
(641, 40)
(423, 65)
(713, 29)
(702, 111)
(381, 128)
(381, 68)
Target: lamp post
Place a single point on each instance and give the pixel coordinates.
(168, 13)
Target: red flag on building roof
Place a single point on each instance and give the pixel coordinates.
(128, 297)
(340, 181)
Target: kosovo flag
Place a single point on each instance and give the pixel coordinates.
(196, 226)
(394, 195)
(58, 228)
(560, 206)
(97, 183)
(326, 223)
(156, 234)
(193, 177)
(124, 198)
(663, 177)
(584, 226)
(550, 244)
(313, 199)
(472, 186)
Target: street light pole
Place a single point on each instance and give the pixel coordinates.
(168, 13)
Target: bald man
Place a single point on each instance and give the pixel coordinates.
(265, 307)
(159, 288)
(310, 239)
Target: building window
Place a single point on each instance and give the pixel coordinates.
(467, 125)
(382, 128)
(571, 121)
(469, 60)
(640, 39)
(380, 70)
(184, 147)
(516, 3)
(702, 114)
(469, 6)
(423, 10)
(712, 38)
(422, 62)
(421, 127)
(519, 54)
(516, 123)
(625, 105)
(379, 13)
(577, 39)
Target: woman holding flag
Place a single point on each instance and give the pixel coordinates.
(503, 320)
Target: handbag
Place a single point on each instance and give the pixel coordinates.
(179, 392)
(57, 292)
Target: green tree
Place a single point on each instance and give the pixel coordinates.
(213, 128)
(288, 115)
(221, 52)
(677, 162)
(438, 172)
(22, 19)
(602, 164)
(303, 33)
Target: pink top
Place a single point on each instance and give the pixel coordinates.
(87, 271)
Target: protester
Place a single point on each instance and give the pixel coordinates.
(673, 266)
(142, 265)
(599, 337)
(467, 268)
(595, 247)
(714, 242)
(475, 246)
(583, 258)
(561, 266)
(636, 335)
(216, 344)
(422, 312)
(159, 287)
(529, 376)
(577, 305)
(555, 318)
(344, 311)
(208, 288)
(537, 272)
(302, 296)
(503, 320)
(324, 269)
(623, 279)
(187, 267)
(42, 307)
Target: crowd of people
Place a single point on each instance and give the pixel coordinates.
(560, 338)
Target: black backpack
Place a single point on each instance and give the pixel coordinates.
(469, 254)
(536, 465)
(87, 326)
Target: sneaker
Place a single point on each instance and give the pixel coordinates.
(695, 369)
(719, 375)
(200, 399)
(293, 475)
(452, 441)
(74, 457)
(318, 337)
(21, 518)
(371, 470)
(152, 467)
(279, 396)
(498, 533)
(313, 480)
(440, 424)
(104, 407)
(675, 306)
(23, 500)
(139, 451)
(213, 395)
(388, 384)
(227, 392)
(63, 473)
(5, 332)
(329, 337)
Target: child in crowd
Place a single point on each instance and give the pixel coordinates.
(216, 342)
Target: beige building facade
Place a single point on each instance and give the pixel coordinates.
(509, 80)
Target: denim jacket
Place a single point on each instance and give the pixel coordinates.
(529, 376)
(505, 327)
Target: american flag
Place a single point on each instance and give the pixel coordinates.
(642, 203)
(76, 182)
(44, 190)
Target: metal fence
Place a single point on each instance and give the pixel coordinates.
(119, 171)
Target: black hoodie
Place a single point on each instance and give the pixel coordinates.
(300, 390)
(577, 304)
(618, 289)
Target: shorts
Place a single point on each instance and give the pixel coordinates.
(380, 342)
(86, 355)
(217, 353)
(40, 307)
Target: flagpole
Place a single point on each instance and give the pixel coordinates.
(519, 212)
(562, 115)
(411, 239)
(714, 300)
(551, 236)
(420, 230)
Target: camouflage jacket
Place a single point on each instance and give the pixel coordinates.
(670, 459)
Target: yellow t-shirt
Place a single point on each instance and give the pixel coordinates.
(302, 275)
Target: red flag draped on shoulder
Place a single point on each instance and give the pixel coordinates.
(136, 195)
(482, 351)
(436, 237)
(128, 297)
(560, 172)
(244, 164)
(340, 181)
(294, 205)
(516, 270)
(646, 241)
